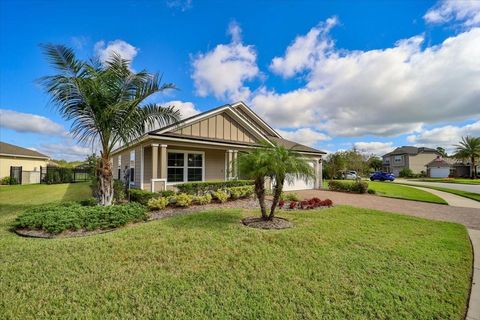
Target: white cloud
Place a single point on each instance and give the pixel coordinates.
(305, 51)
(223, 70)
(464, 11)
(376, 148)
(445, 136)
(67, 150)
(381, 92)
(29, 123)
(187, 109)
(122, 48)
(183, 5)
(304, 136)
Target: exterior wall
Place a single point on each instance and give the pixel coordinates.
(27, 164)
(220, 126)
(214, 165)
(252, 121)
(417, 163)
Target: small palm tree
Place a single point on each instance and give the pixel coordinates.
(469, 148)
(279, 164)
(106, 103)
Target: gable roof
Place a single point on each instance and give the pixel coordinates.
(410, 150)
(440, 162)
(16, 151)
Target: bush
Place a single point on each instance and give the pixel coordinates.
(200, 188)
(289, 196)
(89, 202)
(307, 204)
(406, 173)
(240, 192)
(8, 180)
(220, 195)
(118, 191)
(206, 199)
(56, 218)
(183, 200)
(166, 193)
(141, 196)
(157, 203)
(371, 191)
(356, 187)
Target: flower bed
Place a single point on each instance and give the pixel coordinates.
(305, 204)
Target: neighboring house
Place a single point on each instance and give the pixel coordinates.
(21, 162)
(448, 167)
(414, 158)
(203, 148)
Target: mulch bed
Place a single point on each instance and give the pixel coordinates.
(275, 223)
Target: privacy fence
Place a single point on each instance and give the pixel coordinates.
(49, 175)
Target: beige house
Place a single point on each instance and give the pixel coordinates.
(203, 148)
(414, 158)
(12, 156)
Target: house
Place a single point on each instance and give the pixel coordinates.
(414, 158)
(23, 164)
(203, 148)
(448, 167)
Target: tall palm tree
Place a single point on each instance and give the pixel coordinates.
(106, 104)
(469, 148)
(279, 164)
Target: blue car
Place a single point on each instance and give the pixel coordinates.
(382, 176)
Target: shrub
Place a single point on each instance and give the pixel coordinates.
(281, 204)
(293, 205)
(56, 218)
(220, 195)
(292, 196)
(327, 203)
(183, 200)
(8, 180)
(356, 187)
(205, 199)
(157, 203)
(371, 191)
(200, 188)
(406, 173)
(166, 193)
(141, 196)
(89, 202)
(118, 191)
(240, 192)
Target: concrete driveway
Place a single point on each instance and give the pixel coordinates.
(457, 186)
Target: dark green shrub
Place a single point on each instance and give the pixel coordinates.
(371, 191)
(199, 188)
(166, 193)
(118, 191)
(141, 196)
(56, 218)
(8, 180)
(347, 186)
(406, 173)
(89, 202)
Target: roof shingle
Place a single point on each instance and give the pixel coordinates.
(12, 150)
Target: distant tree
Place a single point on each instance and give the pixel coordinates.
(442, 152)
(375, 163)
(106, 103)
(334, 164)
(469, 148)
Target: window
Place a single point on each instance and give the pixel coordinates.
(119, 165)
(397, 159)
(132, 166)
(184, 166)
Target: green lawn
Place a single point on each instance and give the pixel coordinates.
(338, 263)
(466, 194)
(450, 180)
(393, 190)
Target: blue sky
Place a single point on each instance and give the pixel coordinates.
(333, 75)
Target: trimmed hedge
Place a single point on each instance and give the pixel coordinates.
(240, 192)
(200, 188)
(56, 218)
(142, 196)
(346, 186)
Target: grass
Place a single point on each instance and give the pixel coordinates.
(450, 180)
(335, 263)
(392, 190)
(466, 194)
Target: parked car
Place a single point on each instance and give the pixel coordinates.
(382, 176)
(351, 175)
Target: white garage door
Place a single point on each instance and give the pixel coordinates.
(439, 172)
(300, 184)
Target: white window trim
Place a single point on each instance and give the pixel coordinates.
(132, 152)
(185, 167)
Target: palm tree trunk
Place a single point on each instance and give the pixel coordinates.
(105, 176)
(260, 193)
(474, 168)
(277, 192)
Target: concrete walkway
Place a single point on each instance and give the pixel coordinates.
(475, 188)
(474, 303)
(452, 199)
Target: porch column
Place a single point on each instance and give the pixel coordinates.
(228, 165)
(163, 161)
(234, 164)
(154, 161)
(320, 173)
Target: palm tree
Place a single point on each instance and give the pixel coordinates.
(279, 164)
(106, 104)
(469, 148)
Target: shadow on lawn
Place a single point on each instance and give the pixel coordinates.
(211, 220)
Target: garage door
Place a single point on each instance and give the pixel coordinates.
(439, 172)
(300, 184)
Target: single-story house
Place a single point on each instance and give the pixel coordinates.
(21, 161)
(448, 167)
(203, 148)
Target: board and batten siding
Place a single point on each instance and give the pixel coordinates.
(220, 126)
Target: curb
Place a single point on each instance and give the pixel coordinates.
(473, 312)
